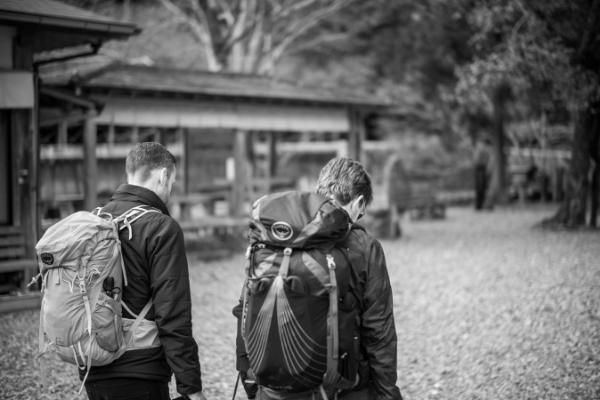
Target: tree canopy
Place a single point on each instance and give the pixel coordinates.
(467, 66)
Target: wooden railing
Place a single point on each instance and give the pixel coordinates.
(16, 270)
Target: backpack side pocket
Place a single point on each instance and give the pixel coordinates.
(107, 323)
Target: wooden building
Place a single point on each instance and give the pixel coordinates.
(223, 127)
(32, 33)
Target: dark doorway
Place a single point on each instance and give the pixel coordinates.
(5, 170)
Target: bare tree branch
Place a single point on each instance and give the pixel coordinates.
(201, 32)
(250, 35)
(253, 50)
(283, 12)
(226, 12)
(244, 25)
(325, 39)
(235, 47)
(297, 30)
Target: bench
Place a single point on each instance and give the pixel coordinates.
(214, 226)
(402, 195)
(212, 237)
(421, 202)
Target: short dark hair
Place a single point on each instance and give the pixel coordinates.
(345, 180)
(148, 156)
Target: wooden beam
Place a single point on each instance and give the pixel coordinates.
(356, 134)
(272, 156)
(23, 190)
(135, 134)
(90, 166)
(63, 127)
(110, 137)
(103, 151)
(22, 302)
(182, 136)
(240, 184)
(26, 126)
(15, 178)
(222, 114)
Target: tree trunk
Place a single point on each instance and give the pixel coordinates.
(595, 155)
(572, 211)
(497, 189)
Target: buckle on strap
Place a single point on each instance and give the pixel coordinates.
(285, 263)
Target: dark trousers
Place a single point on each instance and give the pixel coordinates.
(127, 389)
(269, 394)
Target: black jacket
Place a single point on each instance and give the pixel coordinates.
(378, 339)
(370, 281)
(156, 267)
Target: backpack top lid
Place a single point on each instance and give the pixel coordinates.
(298, 220)
(73, 240)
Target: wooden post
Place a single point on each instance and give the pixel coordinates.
(240, 181)
(356, 134)
(271, 158)
(25, 124)
(135, 134)
(90, 166)
(110, 139)
(595, 180)
(63, 128)
(182, 137)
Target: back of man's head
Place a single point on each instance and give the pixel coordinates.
(146, 157)
(151, 166)
(345, 180)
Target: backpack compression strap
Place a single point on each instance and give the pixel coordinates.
(332, 327)
(332, 378)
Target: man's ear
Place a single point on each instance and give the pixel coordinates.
(360, 201)
(163, 176)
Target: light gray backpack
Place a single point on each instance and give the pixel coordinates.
(83, 276)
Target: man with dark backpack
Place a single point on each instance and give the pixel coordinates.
(158, 285)
(316, 320)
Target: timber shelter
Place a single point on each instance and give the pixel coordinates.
(214, 123)
(32, 33)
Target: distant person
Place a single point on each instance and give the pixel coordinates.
(366, 315)
(481, 162)
(157, 274)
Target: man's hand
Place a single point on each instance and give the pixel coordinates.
(196, 396)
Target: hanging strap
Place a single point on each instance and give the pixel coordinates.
(87, 354)
(244, 295)
(332, 378)
(331, 374)
(136, 323)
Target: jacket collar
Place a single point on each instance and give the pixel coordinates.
(138, 194)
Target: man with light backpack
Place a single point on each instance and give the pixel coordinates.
(315, 320)
(125, 322)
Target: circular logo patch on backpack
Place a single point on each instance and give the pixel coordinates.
(282, 230)
(47, 258)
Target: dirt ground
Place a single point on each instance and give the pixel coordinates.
(485, 307)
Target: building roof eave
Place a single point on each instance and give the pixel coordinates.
(110, 30)
(216, 94)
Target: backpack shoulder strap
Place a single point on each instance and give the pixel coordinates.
(133, 214)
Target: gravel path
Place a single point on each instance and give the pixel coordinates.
(486, 308)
